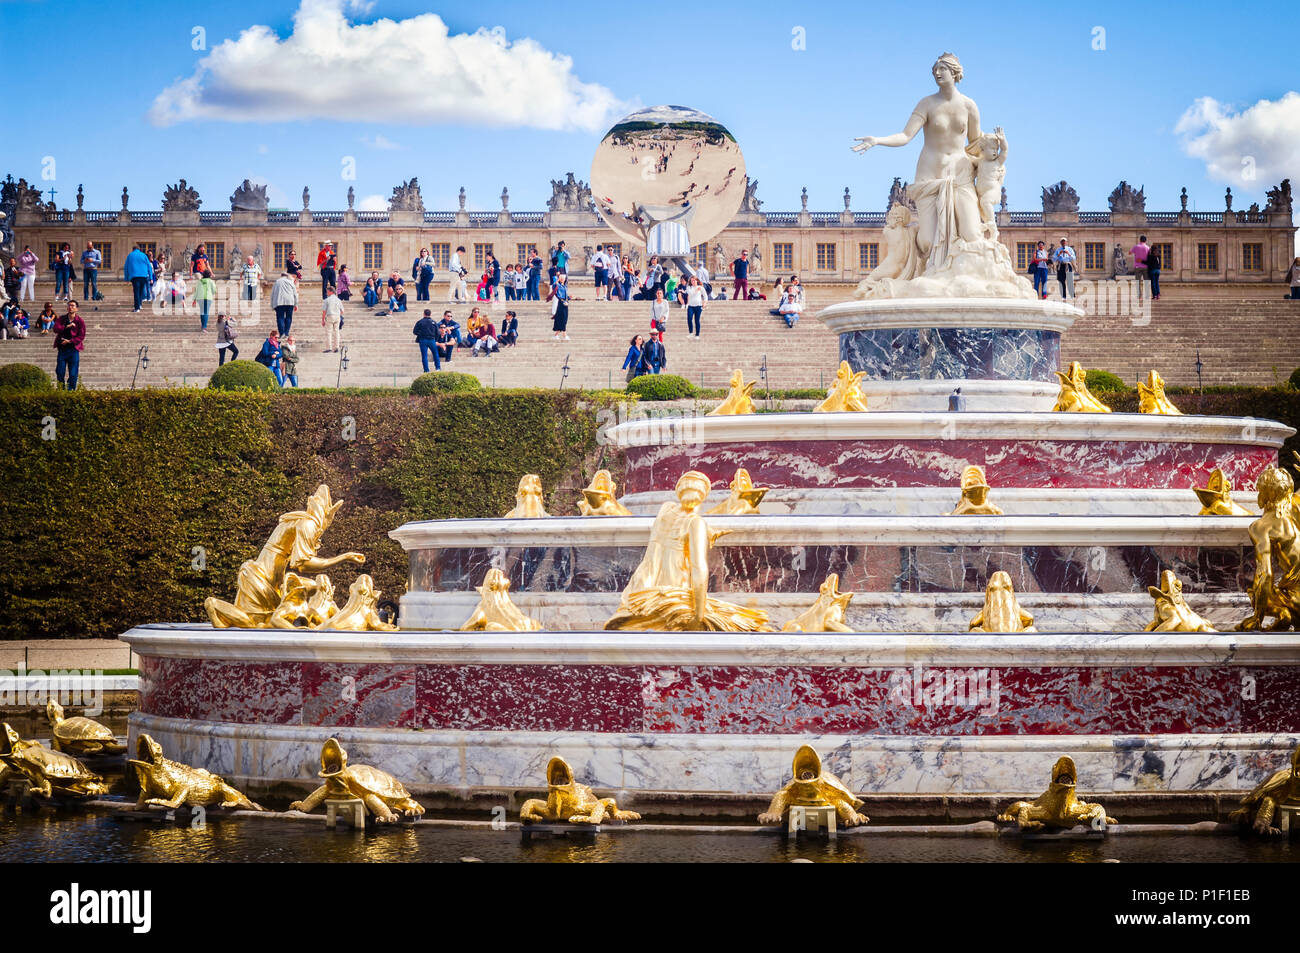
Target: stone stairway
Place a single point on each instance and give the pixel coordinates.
(1247, 337)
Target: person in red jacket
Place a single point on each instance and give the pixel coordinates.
(69, 336)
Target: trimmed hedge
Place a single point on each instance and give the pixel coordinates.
(24, 377)
(1294, 379)
(243, 375)
(99, 525)
(444, 382)
(661, 387)
(1099, 380)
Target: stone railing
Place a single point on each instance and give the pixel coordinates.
(327, 218)
(282, 218)
(1162, 218)
(1094, 218)
(526, 218)
(1207, 218)
(214, 218)
(439, 218)
(376, 216)
(101, 216)
(1026, 218)
(825, 219)
(146, 216)
(870, 219)
(781, 218)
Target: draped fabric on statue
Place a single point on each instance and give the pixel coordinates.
(943, 202)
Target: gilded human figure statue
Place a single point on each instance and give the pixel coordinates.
(1074, 396)
(743, 499)
(668, 590)
(975, 495)
(1152, 399)
(845, 392)
(738, 400)
(291, 547)
(1216, 497)
(600, 497)
(529, 502)
(1275, 590)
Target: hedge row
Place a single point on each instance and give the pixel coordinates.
(108, 494)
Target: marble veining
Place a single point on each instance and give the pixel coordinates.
(1024, 354)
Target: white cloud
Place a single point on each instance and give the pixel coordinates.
(1263, 139)
(379, 142)
(262, 149)
(329, 68)
(373, 203)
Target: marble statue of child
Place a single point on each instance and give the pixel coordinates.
(989, 153)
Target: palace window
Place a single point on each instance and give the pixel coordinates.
(1207, 256)
(1025, 255)
(106, 250)
(481, 251)
(783, 256)
(216, 255)
(615, 249)
(280, 254)
(524, 252)
(825, 256)
(372, 256)
(868, 256)
(1094, 256)
(151, 249)
(700, 253)
(1252, 256)
(440, 252)
(51, 253)
(1166, 250)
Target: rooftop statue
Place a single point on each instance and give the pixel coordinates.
(845, 393)
(181, 198)
(1001, 612)
(600, 498)
(249, 198)
(827, 613)
(495, 612)
(668, 590)
(169, 784)
(570, 195)
(1057, 806)
(751, 202)
(1279, 198)
(567, 800)
(744, 497)
(291, 547)
(957, 252)
(406, 197)
(1259, 806)
(812, 786)
(975, 495)
(1172, 613)
(1275, 590)
(47, 772)
(1061, 198)
(1152, 399)
(1126, 200)
(1216, 497)
(739, 398)
(1074, 396)
(529, 503)
(384, 796)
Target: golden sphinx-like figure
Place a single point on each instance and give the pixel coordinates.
(567, 800)
(738, 400)
(529, 503)
(845, 393)
(1152, 399)
(1001, 612)
(668, 590)
(1172, 613)
(1259, 806)
(1058, 806)
(827, 613)
(1216, 497)
(291, 548)
(1074, 396)
(600, 498)
(46, 772)
(360, 613)
(169, 784)
(744, 498)
(814, 787)
(1275, 590)
(495, 612)
(975, 495)
(385, 797)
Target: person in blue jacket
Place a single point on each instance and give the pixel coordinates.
(138, 270)
(632, 363)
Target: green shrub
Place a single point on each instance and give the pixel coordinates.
(243, 375)
(1294, 379)
(1104, 380)
(660, 387)
(24, 377)
(444, 382)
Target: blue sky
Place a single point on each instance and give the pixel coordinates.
(517, 114)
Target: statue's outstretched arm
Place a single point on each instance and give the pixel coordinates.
(915, 123)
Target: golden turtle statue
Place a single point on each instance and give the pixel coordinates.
(1258, 807)
(1001, 612)
(169, 784)
(813, 787)
(827, 613)
(1074, 396)
(47, 772)
(600, 497)
(495, 612)
(384, 795)
(1057, 806)
(567, 800)
(845, 393)
(529, 502)
(1152, 399)
(738, 400)
(744, 497)
(1216, 497)
(1172, 613)
(975, 495)
(79, 736)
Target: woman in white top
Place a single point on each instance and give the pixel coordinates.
(695, 298)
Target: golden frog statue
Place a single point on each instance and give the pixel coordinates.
(79, 736)
(567, 800)
(1275, 590)
(1172, 613)
(744, 498)
(738, 400)
(359, 613)
(1216, 497)
(529, 503)
(975, 495)
(814, 787)
(1001, 612)
(1057, 806)
(495, 612)
(291, 547)
(47, 772)
(385, 797)
(1152, 399)
(827, 613)
(169, 784)
(600, 498)
(845, 394)
(1074, 396)
(1258, 807)
(668, 590)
